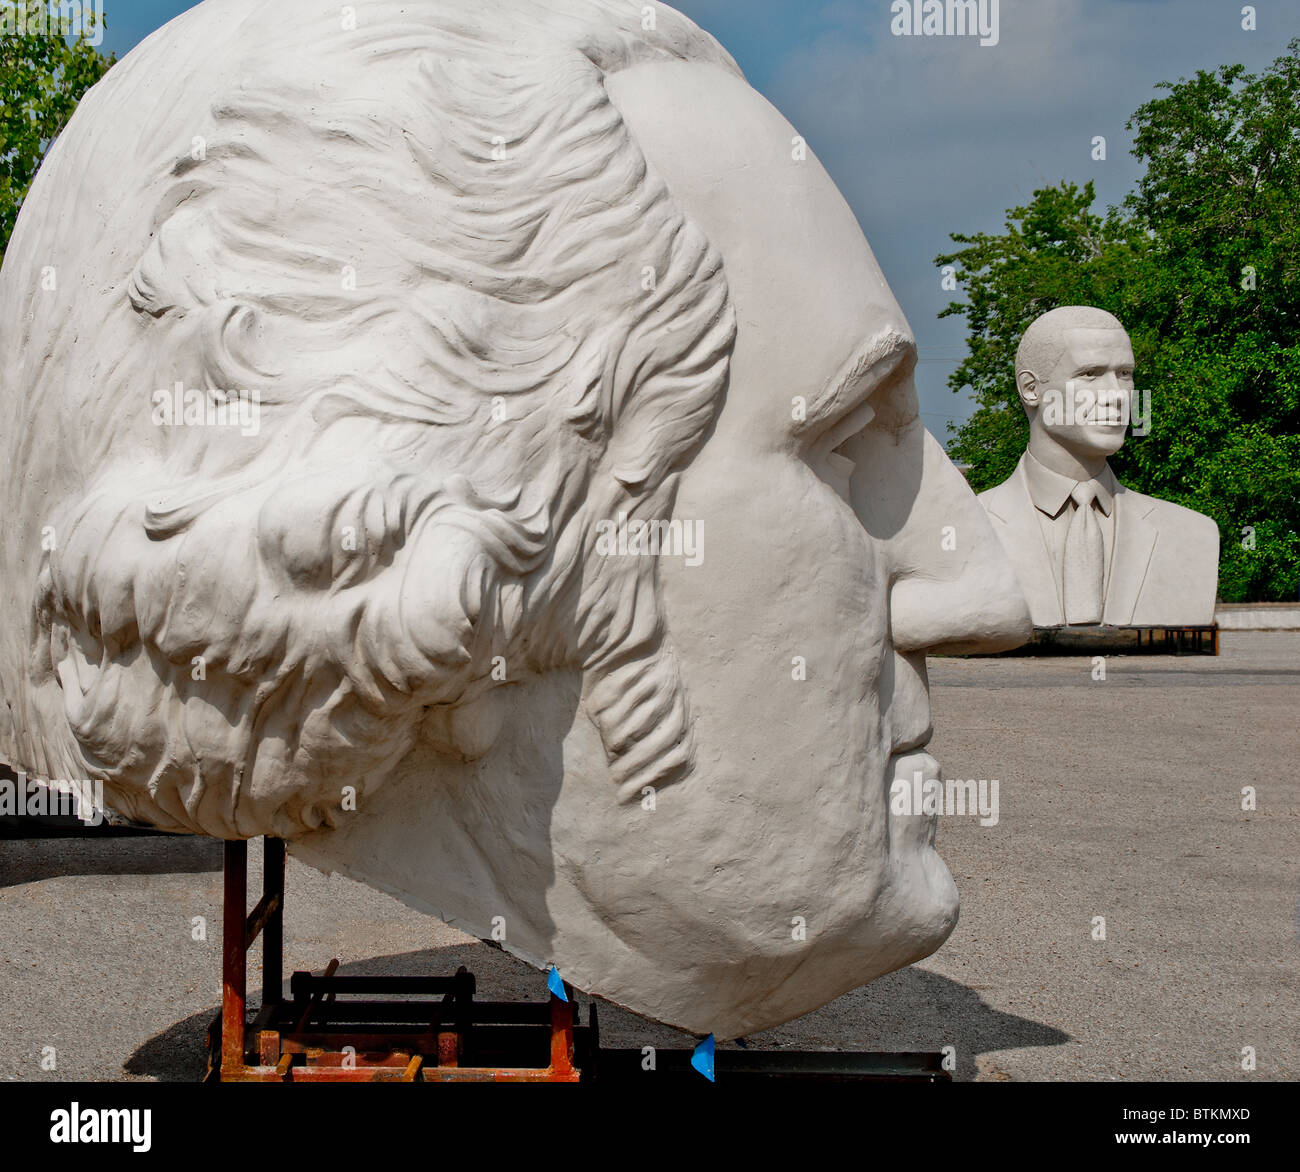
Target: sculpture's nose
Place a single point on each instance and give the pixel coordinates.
(952, 586)
(954, 589)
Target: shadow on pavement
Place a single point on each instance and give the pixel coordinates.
(916, 1009)
(28, 860)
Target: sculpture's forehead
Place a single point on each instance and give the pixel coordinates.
(797, 262)
(1090, 344)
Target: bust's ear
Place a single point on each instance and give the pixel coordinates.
(1027, 385)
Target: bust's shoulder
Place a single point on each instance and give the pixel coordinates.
(1186, 525)
(1005, 492)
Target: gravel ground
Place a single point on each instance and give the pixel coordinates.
(1119, 798)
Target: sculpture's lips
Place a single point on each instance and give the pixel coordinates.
(914, 743)
(904, 766)
(909, 759)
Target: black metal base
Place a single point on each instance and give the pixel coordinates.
(1105, 640)
(751, 1066)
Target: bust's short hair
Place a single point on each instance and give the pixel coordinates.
(1043, 342)
(478, 323)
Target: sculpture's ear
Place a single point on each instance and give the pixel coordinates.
(1027, 385)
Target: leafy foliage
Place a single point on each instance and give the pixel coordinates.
(1202, 264)
(42, 78)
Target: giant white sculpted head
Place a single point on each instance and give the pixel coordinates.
(502, 278)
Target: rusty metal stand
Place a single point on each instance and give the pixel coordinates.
(316, 1037)
(430, 1029)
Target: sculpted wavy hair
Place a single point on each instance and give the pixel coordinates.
(477, 324)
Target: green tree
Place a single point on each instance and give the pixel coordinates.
(43, 74)
(1202, 264)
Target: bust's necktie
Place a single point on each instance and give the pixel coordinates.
(1084, 559)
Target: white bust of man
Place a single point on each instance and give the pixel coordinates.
(506, 277)
(1088, 550)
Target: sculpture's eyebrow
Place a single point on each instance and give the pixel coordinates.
(1088, 359)
(874, 363)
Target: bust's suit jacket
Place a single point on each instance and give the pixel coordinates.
(1164, 569)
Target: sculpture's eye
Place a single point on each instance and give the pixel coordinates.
(839, 468)
(832, 455)
(830, 451)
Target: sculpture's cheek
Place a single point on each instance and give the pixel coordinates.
(774, 854)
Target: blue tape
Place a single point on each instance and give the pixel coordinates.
(702, 1059)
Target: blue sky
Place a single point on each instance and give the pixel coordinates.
(931, 135)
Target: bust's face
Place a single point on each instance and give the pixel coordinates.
(1086, 399)
(838, 545)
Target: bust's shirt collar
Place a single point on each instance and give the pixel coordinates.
(1050, 490)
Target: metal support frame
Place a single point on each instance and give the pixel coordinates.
(1179, 640)
(317, 1037)
(1100, 639)
(430, 1029)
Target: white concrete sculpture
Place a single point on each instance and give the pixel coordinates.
(568, 567)
(1086, 549)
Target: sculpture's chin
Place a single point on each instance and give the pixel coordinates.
(911, 918)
